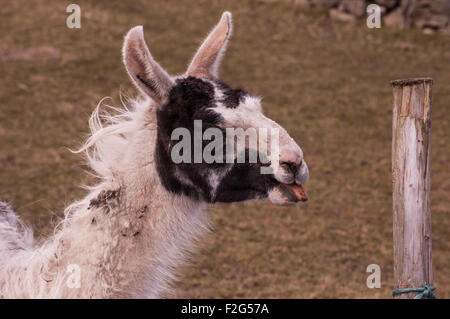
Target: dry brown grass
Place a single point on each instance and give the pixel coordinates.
(327, 83)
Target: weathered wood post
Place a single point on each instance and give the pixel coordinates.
(411, 183)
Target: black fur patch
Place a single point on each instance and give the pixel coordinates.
(189, 100)
(232, 96)
(194, 99)
(108, 200)
(243, 182)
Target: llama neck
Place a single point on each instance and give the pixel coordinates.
(129, 236)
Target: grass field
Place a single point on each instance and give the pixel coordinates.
(326, 82)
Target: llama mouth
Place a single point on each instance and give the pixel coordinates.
(297, 191)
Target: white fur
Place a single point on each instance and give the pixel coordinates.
(249, 115)
(112, 265)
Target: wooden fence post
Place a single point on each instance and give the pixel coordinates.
(411, 183)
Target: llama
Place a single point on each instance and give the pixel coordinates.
(146, 215)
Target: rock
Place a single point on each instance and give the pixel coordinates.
(338, 15)
(388, 4)
(428, 31)
(432, 13)
(433, 21)
(356, 8)
(424, 14)
(420, 22)
(441, 7)
(394, 19)
(323, 3)
(437, 21)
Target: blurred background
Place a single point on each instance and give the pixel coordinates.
(324, 76)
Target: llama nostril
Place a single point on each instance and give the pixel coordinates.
(290, 166)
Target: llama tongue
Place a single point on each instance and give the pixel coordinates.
(298, 191)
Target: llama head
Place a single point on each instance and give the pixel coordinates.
(213, 142)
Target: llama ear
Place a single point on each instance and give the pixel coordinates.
(205, 63)
(148, 76)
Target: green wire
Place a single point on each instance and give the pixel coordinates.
(425, 291)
